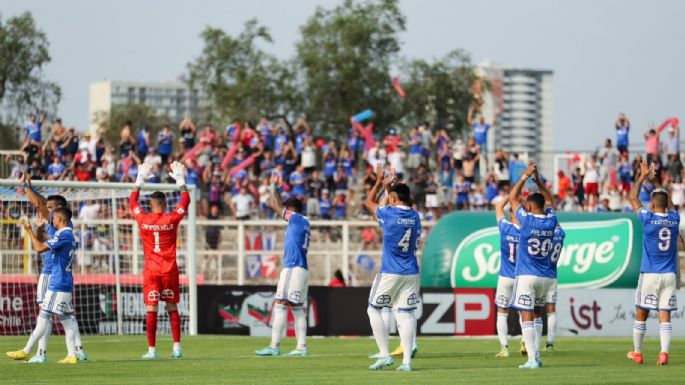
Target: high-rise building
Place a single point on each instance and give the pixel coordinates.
(523, 103)
(175, 99)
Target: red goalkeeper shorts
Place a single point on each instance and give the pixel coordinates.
(163, 288)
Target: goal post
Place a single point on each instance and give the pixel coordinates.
(108, 269)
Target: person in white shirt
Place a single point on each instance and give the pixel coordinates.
(242, 204)
(377, 155)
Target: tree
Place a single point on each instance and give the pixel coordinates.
(139, 115)
(24, 52)
(243, 81)
(346, 55)
(439, 92)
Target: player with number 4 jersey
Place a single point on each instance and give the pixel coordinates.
(656, 287)
(158, 231)
(397, 282)
(294, 280)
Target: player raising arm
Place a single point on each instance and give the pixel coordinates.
(534, 275)
(293, 282)
(45, 208)
(158, 231)
(60, 288)
(397, 282)
(656, 287)
(509, 238)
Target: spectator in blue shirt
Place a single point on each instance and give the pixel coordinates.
(56, 169)
(165, 143)
(622, 131)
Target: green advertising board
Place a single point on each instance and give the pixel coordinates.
(600, 250)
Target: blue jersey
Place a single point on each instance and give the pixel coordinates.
(401, 233)
(47, 261)
(165, 142)
(659, 241)
(509, 235)
(534, 256)
(142, 143)
(480, 133)
(298, 189)
(622, 135)
(63, 247)
(33, 131)
(557, 246)
(297, 236)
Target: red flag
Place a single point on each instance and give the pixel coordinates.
(673, 122)
(398, 87)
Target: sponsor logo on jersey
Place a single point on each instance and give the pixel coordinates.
(167, 293)
(595, 254)
(137, 210)
(153, 295)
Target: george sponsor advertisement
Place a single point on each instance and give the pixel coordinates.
(600, 250)
(609, 312)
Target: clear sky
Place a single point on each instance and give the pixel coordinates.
(608, 56)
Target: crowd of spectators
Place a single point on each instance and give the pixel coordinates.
(331, 175)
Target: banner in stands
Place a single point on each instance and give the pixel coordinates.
(600, 250)
(608, 312)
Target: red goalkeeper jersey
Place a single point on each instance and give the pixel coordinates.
(158, 231)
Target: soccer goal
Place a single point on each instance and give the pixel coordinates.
(108, 268)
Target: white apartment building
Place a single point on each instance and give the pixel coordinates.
(174, 99)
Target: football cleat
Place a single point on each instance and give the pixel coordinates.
(549, 348)
(37, 360)
(663, 359)
(268, 352)
(504, 353)
(414, 351)
(404, 368)
(635, 357)
(177, 354)
(18, 355)
(522, 349)
(530, 365)
(68, 360)
(150, 356)
(297, 353)
(83, 356)
(398, 351)
(381, 363)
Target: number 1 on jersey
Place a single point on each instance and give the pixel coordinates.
(156, 249)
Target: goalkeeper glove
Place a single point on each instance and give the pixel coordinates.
(143, 174)
(178, 173)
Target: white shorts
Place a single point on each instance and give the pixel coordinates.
(505, 286)
(530, 292)
(431, 200)
(292, 285)
(656, 292)
(43, 280)
(400, 292)
(552, 292)
(57, 302)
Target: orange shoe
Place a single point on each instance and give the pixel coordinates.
(663, 359)
(636, 357)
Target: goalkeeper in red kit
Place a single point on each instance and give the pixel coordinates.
(158, 231)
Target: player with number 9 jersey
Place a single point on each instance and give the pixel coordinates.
(159, 231)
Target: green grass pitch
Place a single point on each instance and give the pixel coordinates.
(231, 360)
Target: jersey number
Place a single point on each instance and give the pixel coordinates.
(156, 249)
(404, 243)
(71, 259)
(664, 239)
(535, 247)
(512, 252)
(556, 252)
(305, 245)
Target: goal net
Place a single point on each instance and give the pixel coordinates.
(108, 268)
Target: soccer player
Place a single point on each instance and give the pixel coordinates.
(45, 208)
(551, 304)
(293, 282)
(509, 239)
(657, 284)
(397, 282)
(60, 287)
(534, 274)
(158, 231)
